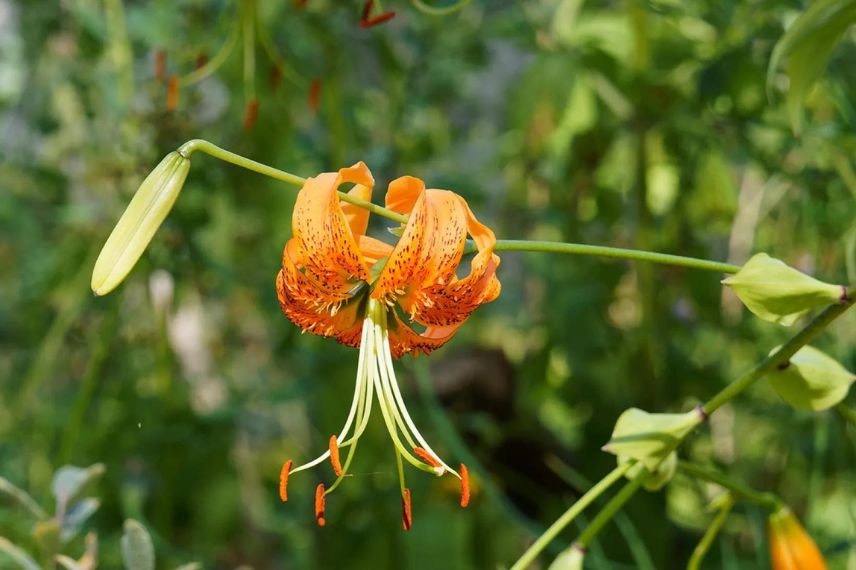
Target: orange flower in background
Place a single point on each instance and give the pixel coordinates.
(791, 547)
(385, 300)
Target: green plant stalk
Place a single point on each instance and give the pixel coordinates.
(710, 534)
(615, 252)
(568, 516)
(809, 332)
(739, 490)
(188, 148)
(612, 507)
(781, 356)
(120, 49)
(439, 10)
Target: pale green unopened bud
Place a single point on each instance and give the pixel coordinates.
(779, 293)
(570, 559)
(143, 216)
(650, 438)
(812, 380)
(661, 474)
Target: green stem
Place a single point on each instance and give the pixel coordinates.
(729, 392)
(710, 534)
(535, 549)
(439, 10)
(248, 21)
(188, 148)
(781, 356)
(194, 145)
(215, 62)
(616, 252)
(766, 500)
(612, 507)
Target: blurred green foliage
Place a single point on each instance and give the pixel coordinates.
(634, 124)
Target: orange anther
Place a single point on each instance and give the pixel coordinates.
(334, 456)
(250, 113)
(406, 510)
(283, 480)
(465, 486)
(160, 64)
(172, 93)
(319, 505)
(314, 95)
(426, 457)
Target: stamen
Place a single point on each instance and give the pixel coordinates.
(251, 111)
(406, 510)
(319, 505)
(283, 480)
(426, 457)
(172, 93)
(334, 456)
(465, 486)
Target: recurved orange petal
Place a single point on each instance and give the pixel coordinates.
(429, 250)
(300, 302)
(324, 233)
(404, 340)
(420, 273)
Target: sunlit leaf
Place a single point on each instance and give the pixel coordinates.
(806, 48)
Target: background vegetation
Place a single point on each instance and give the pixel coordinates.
(633, 124)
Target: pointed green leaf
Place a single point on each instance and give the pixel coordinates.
(17, 554)
(649, 438)
(22, 497)
(806, 48)
(69, 480)
(776, 292)
(812, 380)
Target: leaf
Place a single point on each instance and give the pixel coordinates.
(138, 553)
(806, 48)
(778, 293)
(69, 480)
(76, 516)
(23, 559)
(649, 438)
(67, 562)
(23, 498)
(812, 380)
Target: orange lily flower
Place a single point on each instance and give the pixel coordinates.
(791, 547)
(338, 282)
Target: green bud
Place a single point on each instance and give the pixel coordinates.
(779, 293)
(657, 479)
(570, 559)
(138, 552)
(812, 380)
(650, 438)
(143, 216)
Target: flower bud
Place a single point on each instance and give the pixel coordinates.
(779, 293)
(650, 438)
(659, 477)
(138, 224)
(569, 559)
(812, 380)
(791, 547)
